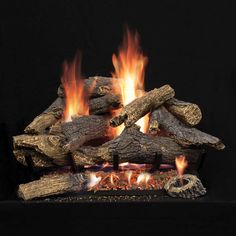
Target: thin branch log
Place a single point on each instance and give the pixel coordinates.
(141, 106)
(136, 147)
(187, 112)
(182, 133)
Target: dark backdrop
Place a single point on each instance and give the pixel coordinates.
(190, 46)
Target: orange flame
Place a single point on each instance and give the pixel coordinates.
(113, 176)
(75, 99)
(130, 70)
(181, 163)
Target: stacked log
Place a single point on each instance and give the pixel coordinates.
(49, 140)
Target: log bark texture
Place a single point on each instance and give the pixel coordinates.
(53, 185)
(192, 189)
(183, 134)
(49, 117)
(83, 129)
(141, 106)
(38, 160)
(104, 104)
(95, 86)
(48, 145)
(136, 147)
(187, 112)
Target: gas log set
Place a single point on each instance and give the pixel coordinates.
(109, 136)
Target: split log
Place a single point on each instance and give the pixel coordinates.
(83, 129)
(187, 112)
(49, 185)
(49, 117)
(38, 160)
(135, 147)
(95, 86)
(48, 145)
(105, 104)
(183, 134)
(141, 106)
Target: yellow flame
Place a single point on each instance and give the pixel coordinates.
(143, 178)
(93, 180)
(129, 176)
(130, 70)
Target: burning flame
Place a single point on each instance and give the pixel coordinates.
(129, 176)
(93, 180)
(130, 70)
(112, 177)
(181, 163)
(143, 178)
(75, 99)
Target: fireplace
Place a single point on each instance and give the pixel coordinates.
(106, 137)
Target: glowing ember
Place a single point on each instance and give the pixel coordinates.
(181, 164)
(75, 99)
(93, 180)
(130, 70)
(127, 180)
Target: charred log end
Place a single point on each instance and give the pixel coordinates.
(192, 187)
(118, 120)
(193, 115)
(103, 90)
(154, 127)
(219, 145)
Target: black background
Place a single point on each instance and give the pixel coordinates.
(190, 45)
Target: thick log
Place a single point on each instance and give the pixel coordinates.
(187, 112)
(53, 185)
(141, 106)
(38, 160)
(49, 117)
(104, 104)
(182, 133)
(135, 147)
(83, 129)
(48, 145)
(95, 86)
